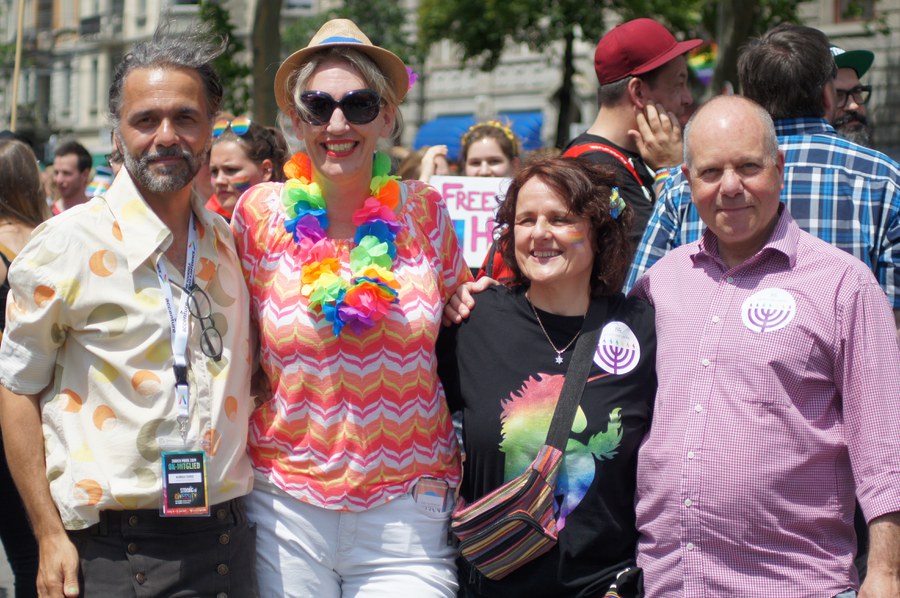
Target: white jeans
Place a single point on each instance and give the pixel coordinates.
(393, 550)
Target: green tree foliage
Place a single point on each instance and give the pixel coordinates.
(383, 21)
(484, 28)
(733, 22)
(234, 73)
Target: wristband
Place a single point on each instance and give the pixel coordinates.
(662, 174)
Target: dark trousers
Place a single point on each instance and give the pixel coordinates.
(140, 554)
(18, 541)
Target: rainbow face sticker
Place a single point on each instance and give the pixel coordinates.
(240, 183)
(574, 236)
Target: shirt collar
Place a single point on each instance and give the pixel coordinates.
(783, 241)
(802, 126)
(142, 232)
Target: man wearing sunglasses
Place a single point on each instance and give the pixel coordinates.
(850, 118)
(127, 351)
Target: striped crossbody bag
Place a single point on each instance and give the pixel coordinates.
(516, 523)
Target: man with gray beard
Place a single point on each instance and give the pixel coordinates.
(850, 118)
(127, 350)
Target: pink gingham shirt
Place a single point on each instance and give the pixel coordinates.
(767, 411)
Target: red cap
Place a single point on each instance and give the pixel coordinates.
(635, 48)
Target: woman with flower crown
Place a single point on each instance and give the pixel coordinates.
(489, 149)
(348, 269)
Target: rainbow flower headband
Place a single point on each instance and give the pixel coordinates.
(493, 124)
(366, 297)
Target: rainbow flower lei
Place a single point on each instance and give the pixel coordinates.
(367, 296)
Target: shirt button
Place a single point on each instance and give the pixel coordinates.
(221, 595)
(715, 319)
(140, 578)
(688, 502)
(221, 514)
(705, 362)
(689, 546)
(132, 548)
(224, 539)
(698, 407)
(690, 454)
(222, 569)
(730, 279)
(133, 520)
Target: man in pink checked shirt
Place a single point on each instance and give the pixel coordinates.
(779, 391)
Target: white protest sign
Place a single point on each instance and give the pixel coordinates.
(472, 202)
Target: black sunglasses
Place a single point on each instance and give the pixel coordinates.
(359, 106)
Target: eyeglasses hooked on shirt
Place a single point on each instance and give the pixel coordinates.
(200, 307)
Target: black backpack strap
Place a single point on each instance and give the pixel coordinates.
(576, 376)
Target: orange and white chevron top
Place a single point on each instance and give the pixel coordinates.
(355, 420)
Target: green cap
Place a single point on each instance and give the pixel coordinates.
(858, 60)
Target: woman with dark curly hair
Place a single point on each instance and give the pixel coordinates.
(565, 238)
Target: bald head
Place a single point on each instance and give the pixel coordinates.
(724, 112)
(736, 174)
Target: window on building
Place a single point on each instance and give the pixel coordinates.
(853, 10)
(67, 17)
(141, 13)
(44, 15)
(95, 85)
(67, 89)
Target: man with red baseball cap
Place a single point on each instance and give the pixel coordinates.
(643, 96)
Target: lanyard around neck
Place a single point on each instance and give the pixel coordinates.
(179, 323)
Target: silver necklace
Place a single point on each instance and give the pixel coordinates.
(559, 352)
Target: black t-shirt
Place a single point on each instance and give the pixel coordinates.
(634, 195)
(499, 369)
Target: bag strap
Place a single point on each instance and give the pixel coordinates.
(584, 148)
(489, 262)
(576, 377)
(7, 253)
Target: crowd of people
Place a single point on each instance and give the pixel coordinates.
(235, 371)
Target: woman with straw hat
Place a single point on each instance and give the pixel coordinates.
(348, 269)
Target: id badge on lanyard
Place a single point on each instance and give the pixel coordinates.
(183, 472)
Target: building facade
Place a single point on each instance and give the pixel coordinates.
(71, 49)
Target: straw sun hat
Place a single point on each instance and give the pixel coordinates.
(337, 33)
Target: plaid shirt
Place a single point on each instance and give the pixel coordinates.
(836, 190)
(779, 389)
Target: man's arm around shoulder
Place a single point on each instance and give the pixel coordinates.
(663, 232)
(20, 417)
(883, 577)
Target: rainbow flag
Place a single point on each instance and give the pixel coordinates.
(702, 60)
